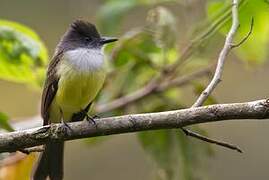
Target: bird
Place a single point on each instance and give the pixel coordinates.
(75, 75)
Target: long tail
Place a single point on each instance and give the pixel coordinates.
(50, 162)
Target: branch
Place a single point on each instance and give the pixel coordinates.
(130, 98)
(13, 141)
(152, 87)
(228, 45)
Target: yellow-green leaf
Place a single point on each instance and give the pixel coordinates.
(4, 124)
(22, 53)
(255, 49)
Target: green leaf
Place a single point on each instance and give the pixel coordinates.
(159, 145)
(254, 50)
(20, 169)
(163, 24)
(4, 124)
(23, 56)
(112, 12)
(176, 155)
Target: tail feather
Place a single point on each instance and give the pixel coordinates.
(50, 162)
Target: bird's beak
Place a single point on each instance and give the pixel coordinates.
(105, 40)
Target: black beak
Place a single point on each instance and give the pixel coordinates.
(105, 40)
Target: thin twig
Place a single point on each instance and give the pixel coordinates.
(197, 41)
(187, 132)
(182, 80)
(152, 87)
(247, 36)
(132, 97)
(222, 57)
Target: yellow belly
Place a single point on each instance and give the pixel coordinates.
(75, 91)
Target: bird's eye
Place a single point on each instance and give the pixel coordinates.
(88, 39)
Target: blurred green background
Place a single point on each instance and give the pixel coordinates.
(122, 157)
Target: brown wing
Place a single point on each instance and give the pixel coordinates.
(50, 87)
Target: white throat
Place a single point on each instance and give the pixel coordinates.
(83, 59)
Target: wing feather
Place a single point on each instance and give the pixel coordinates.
(50, 87)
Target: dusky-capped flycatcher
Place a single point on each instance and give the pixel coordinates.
(75, 75)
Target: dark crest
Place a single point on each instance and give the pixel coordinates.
(84, 28)
(79, 34)
(82, 34)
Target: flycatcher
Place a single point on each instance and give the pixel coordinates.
(75, 75)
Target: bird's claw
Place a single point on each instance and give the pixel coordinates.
(66, 128)
(91, 120)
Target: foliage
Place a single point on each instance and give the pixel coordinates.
(22, 54)
(141, 55)
(4, 122)
(254, 50)
(113, 11)
(17, 166)
(175, 154)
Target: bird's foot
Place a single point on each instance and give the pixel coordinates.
(91, 119)
(96, 116)
(66, 128)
